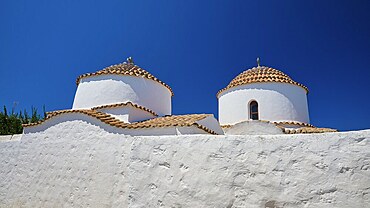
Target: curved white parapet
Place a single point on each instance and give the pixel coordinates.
(70, 120)
(110, 89)
(276, 102)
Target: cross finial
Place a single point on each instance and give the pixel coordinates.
(258, 61)
(130, 60)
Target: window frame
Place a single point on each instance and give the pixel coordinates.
(253, 113)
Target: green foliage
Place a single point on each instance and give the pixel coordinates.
(12, 123)
(44, 111)
(34, 116)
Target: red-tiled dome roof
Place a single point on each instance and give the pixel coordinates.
(125, 69)
(260, 74)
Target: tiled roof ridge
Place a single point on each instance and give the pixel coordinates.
(226, 126)
(294, 123)
(103, 117)
(260, 74)
(189, 123)
(183, 120)
(125, 104)
(125, 69)
(305, 129)
(205, 129)
(309, 130)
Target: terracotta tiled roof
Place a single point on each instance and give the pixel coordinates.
(160, 122)
(308, 130)
(106, 118)
(178, 120)
(260, 74)
(294, 123)
(305, 129)
(125, 104)
(125, 69)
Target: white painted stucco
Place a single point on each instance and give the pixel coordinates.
(253, 128)
(85, 166)
(211, 123)
(276, 102)
(128, 114)
(109, 89)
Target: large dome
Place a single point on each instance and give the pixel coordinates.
(123, 83)
(261, 74)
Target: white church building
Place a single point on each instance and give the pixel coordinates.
(120, 146)
(126, 99)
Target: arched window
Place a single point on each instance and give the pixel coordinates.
(253, 110)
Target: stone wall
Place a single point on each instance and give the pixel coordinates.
(76, 164)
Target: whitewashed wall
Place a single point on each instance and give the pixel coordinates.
(86, 166)
(276, 102)
(109, 89)
(128, 113)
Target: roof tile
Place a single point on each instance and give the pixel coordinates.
(125, 69)
(125, 104)
(260, 74)
(309, 130)
(167, 121)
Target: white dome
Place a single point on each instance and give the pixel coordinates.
(277, 97)
(123, 83)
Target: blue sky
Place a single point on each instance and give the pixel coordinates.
(196, 47)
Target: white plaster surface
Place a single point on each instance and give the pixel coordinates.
(211, 123)
(276, 102)
(128, 114)
(109, 89)
(85, 166)
(253, 128)
(10, 137)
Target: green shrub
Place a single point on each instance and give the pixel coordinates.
(12, 123)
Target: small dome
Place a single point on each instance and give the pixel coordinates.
(125, 69)
(260, 74)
